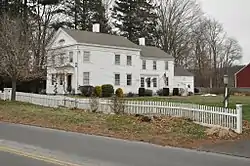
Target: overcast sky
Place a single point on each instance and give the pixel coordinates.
(235, 17)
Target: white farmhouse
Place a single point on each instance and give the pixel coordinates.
(78, 58)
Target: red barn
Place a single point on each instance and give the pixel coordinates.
(242, 77)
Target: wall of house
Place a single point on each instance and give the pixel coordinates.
(183, 82)
(102, 67)
(159, 73)
(243, 79)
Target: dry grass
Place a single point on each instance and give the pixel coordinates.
(162, 131)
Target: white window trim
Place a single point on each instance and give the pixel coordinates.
(130, 80)
(86, 55)
(86, 79)
(71, 56)
(119, 79)
(155, 82)
(118, 55)
(129, 64)
(155, 65)
(166, 65)
(142, 82)
(143, 65)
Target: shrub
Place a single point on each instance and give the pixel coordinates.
(160, 92)
(176, 92)
(107, 90)
(148, 92)
(119, 92)
(86, 90)
(196, 90)
(131, 94)
(141, 91)
(165, 92)
(98, 91)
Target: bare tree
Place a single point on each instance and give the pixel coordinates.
(176, 18)
(43, 17)
(15, 50)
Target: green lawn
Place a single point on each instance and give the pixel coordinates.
(211, 101)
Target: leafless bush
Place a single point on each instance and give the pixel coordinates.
(118, 105)
(94, 103)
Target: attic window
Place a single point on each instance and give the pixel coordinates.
(62, 41)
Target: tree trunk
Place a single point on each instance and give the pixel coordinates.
(13, 92)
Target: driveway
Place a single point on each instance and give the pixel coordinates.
(93, 150)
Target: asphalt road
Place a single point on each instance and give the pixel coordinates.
(8, 159)
(94, 150)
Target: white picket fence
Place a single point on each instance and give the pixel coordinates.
(209, 116)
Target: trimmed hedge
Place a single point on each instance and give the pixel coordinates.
(98, 91)
(176, 92)
(141, 91)
(165, 92)
(87, 90)
(148, 92)
(107, 90)
(119, 92)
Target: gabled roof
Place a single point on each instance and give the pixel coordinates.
(154, 52)
(242, 68)
(114, 40)
(100, 38)
(180, 71)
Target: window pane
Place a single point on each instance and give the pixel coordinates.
(142, 82)
(85, 78)
(117, 79)
(70, 56)
(129, 79)
(129, 60)
(166, 65)
(144, 64)
(86, 55)
(117, 59)
(148, 80)
(154, 65)
(155, 82)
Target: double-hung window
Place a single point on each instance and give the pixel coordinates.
(154, 65)
(86, 56)
(86, 78)
(117, 59)
(117, 79)
(129, 60)
(129, 79)
(144, 64)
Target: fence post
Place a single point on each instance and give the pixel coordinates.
(239, 118)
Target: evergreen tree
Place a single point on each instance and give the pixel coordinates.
(82, 14)
(135, 19)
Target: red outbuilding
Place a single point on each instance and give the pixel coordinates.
(242, 77)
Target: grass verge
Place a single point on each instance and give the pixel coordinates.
(162, 131)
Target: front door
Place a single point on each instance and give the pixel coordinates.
(69, 83)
